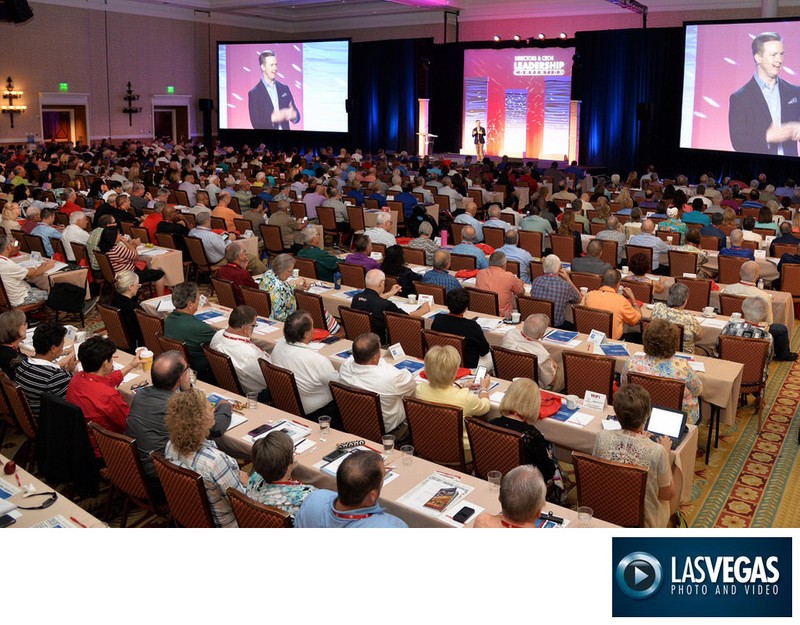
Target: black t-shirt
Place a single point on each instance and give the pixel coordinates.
(9, 359)
(475, 343)
(371, 302)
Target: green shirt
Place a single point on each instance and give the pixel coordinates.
(326, 263)
(192, 331)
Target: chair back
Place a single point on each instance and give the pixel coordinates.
(19, 407)
(254, 514)
(224, 290)
(614, 491)
(431, 338)
(494, 448)
(729, 269)
(79, 252)
(563, 246)
(414, 255)
(436, 291)
(699, 292)
(165, 239)
(494, 237)
(663, 392)
(58, 247)
(140, 233)
(537, 269)
(790, 279)
(682, 262)
(299, 210)
(360, 411)
(528, 306)
(355, 214)
(588, 319)
(406, 330)
(642, 291)
(185, 492)
(105, 266)
(591, 281)
(116, 329)
(531, 242)
(197, 252)
(243, 225)
(609, 252)
(20, 237)
(437, 431)
(306, 267)
(168, 344)
(35, 244)
(258, 299)
(730, 304)
(151, 326)
(457, 228)
(512, 266)
(708, 242)
(750, 352)
(223, 370)
(181, 197)
(463, 261)
(273, 239)
(510, 364)
(782, 248)
(482, 301)
(596, 228)
(282, 387)
(588, 372)
(353, 275)
(380, 248)
(312, 304)
(633, 250)
(355, 322)
(327, 219)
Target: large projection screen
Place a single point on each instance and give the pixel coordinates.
(736, 100)
(307, 80)
(522, 97)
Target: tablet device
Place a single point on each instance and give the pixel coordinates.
(664, 421)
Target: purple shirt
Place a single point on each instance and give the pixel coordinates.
(357, 258)
(312, 201)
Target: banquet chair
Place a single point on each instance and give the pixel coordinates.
(512, 266)
(609, 252)
(79, 252)
(273, 239)
(35, 244)
(282, 387)
(699, 292)
(197, 252)
(116, 329)
(360, 411)
(254, 514)
(642, 291)
(536, 268)
(482, 301)
(436, 291)
(353, 275)
(151, 327)
(729, 304)
(312, 304)
(664, 392)
(437, 432)
(257, 299)
(682, 262)
(633, 250)
(753, 354)
(224, 291)
(494, 237)
(355, 322)
(140, 233)
(563, 247)
(414, 255)
(406, 330)
(27, 423)
(509, 364)
(465, 262)
(591, 281)
(168, 344)
(223, 370)
(185, 491)
(588, 319)
(531, 242)
(528, 306)
(730, 268)
(431, 338)
(588, 372)
(614, 491)
(494, 448)
(306, 267)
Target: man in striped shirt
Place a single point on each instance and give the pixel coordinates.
(41, 373)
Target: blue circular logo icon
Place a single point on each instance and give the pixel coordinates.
(639, 575)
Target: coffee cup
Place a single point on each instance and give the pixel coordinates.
(625, 269)
(572, 402)
(515, 317)
(584, 291)
(669, 240)
(736, 316)
(412, 299)
(708, 311)
(295, 273)
(146, 356)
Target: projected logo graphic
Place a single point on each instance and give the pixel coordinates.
(702, 577)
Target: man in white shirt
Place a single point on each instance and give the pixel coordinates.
(365, 369)
(551, 376)
(420, 188)
(748, 223)
(19, 292)
(494, 220)
(190, 187)
(749, 273)
(213, 188)
(76, 232)
(380, 232)
(236, 342)
(647, 239)
(312, 371)
(448, 190)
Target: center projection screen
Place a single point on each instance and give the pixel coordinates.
(522, 97)
(741, 88)
(307, 80)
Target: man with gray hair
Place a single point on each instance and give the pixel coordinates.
(182, 325)
(373, 300)
(752, 326)
(427, 196)
(522, 497)
(425, 242)
(556, 286)
(512, 252)
(468, 218)
(495, 278)
(139, 198)
(614, 232)
(528, 340)
(647, 239)
(591, 263)
(14, 276)
(494, 220)
(380, 232)
(440, 275)
(467, 247)
(326, 263)
(215, 244)
(75, 231)
(236, 341)
(735, 248)
(448, 190)
(749, 274)
(290, 227)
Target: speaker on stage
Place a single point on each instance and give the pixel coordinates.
(17, 11)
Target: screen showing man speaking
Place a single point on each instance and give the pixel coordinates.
(741, 88)
(283, 86)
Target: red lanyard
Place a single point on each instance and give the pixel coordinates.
(342, 515)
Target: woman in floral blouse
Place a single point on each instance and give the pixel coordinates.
(674, 311)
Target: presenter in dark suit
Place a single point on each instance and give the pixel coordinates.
(479, 136)
(764, 115)
(270, 102)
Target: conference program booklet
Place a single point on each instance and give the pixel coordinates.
(437, 495)
(560, 336)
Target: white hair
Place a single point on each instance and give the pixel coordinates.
(551, 264)
(374, 278)
(76, 216)
(383, 218)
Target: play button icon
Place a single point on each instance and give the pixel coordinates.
(639, 575)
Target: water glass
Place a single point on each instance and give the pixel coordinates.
(408, 454)
(324, 428)
(585, 515)
(388, 444)
(252, 401)
(192, 377)
(494, 478)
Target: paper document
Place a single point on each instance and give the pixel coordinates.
(610, 424)
(56, 521)
(697, 365)
(425, 496)
(319, 290)
(580, 419)
(165, 305)
(237, 418)
(407, 308)
(487, 325)
(154, 251)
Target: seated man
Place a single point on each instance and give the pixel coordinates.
(236, 341)
(468, 217)
(312, 370)
(440, 274)
(373, 300)
(314, 200)
(14, 275)
(291, 229)
(45, 230)
(494, 220)
(379, 233)
(736, 249)
(358, 481)
(714, 231)
(236, 270)
(522, 497)
(361, 256)
(366, 370)
(41, 373)
(591, 263)
(528, 340)
(467, 247)
(75, 231)
(513, 252)
(787, 259)
(447, 189)
(556, 286)
(224, 211)
(624, 307)
(613, 232)
(495, 278)
(213, 243)
(94, 389)
(534, 222)
(753, 326)
(376, 188)
(148, 412)
(693, 245)
(786, 238)
(748, 223)
(476, 347)
(182, 325)
(326, 263)
(647, 239)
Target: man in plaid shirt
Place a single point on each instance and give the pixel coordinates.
(754, 311)
(556, 286)
(439, 274)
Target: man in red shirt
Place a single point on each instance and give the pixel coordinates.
(236, 270)
(69, 205)
(94, 389)
(151, 222)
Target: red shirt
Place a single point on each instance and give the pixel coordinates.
(101, 402)
(150, 224)
(240, 277)
(70, 207)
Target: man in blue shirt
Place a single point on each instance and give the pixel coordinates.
(513, 252)
(439, 274)
(753, 201)
(467, 247)
(45, 230)
(714, 231)
(359, 480)
(376, 188)
(468, 217)
(408, 200)
(356, 195)
(648, 239)
(696, 216)
(736, 248)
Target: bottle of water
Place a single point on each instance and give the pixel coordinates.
(760, 283)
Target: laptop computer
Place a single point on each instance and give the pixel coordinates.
(669, 422)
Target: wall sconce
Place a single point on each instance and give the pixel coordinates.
(130, 98)
(11, 94)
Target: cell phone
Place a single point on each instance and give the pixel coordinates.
(480, 374)
(7, 520)
(330, 339)
(463, 515)
(261, 429)
(336, 453)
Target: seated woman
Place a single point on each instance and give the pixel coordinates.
(424, 241)
(520, 410)
(441, 367)
(281, 293)
(632, 445)
(659, 359)
(603, 211)
(640, 267)
(476, 347)
(123, 256)
(674, 311)
(190, 417)
(394, 264)
(126, 288)
(765, 221)
(692, 244)
(271, 481)
(11, 213)
(673, 224)
(567, 229)
(13, 326)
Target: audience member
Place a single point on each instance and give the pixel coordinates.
(374, 301)
(556, 286)
(380, 232)
(624, 307)
(13, 328)
(528, 339)
(674, 311)
(476, 347)
(495, 278)
(363, 253)
(522, 498)
(182, 325)
(591, 263)
(326, 263)
(467, 247)
(236, 342)
(647, 239)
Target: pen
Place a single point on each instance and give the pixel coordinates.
(74, 520)
(16, 475)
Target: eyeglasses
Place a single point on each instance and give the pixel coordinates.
(51, 499)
